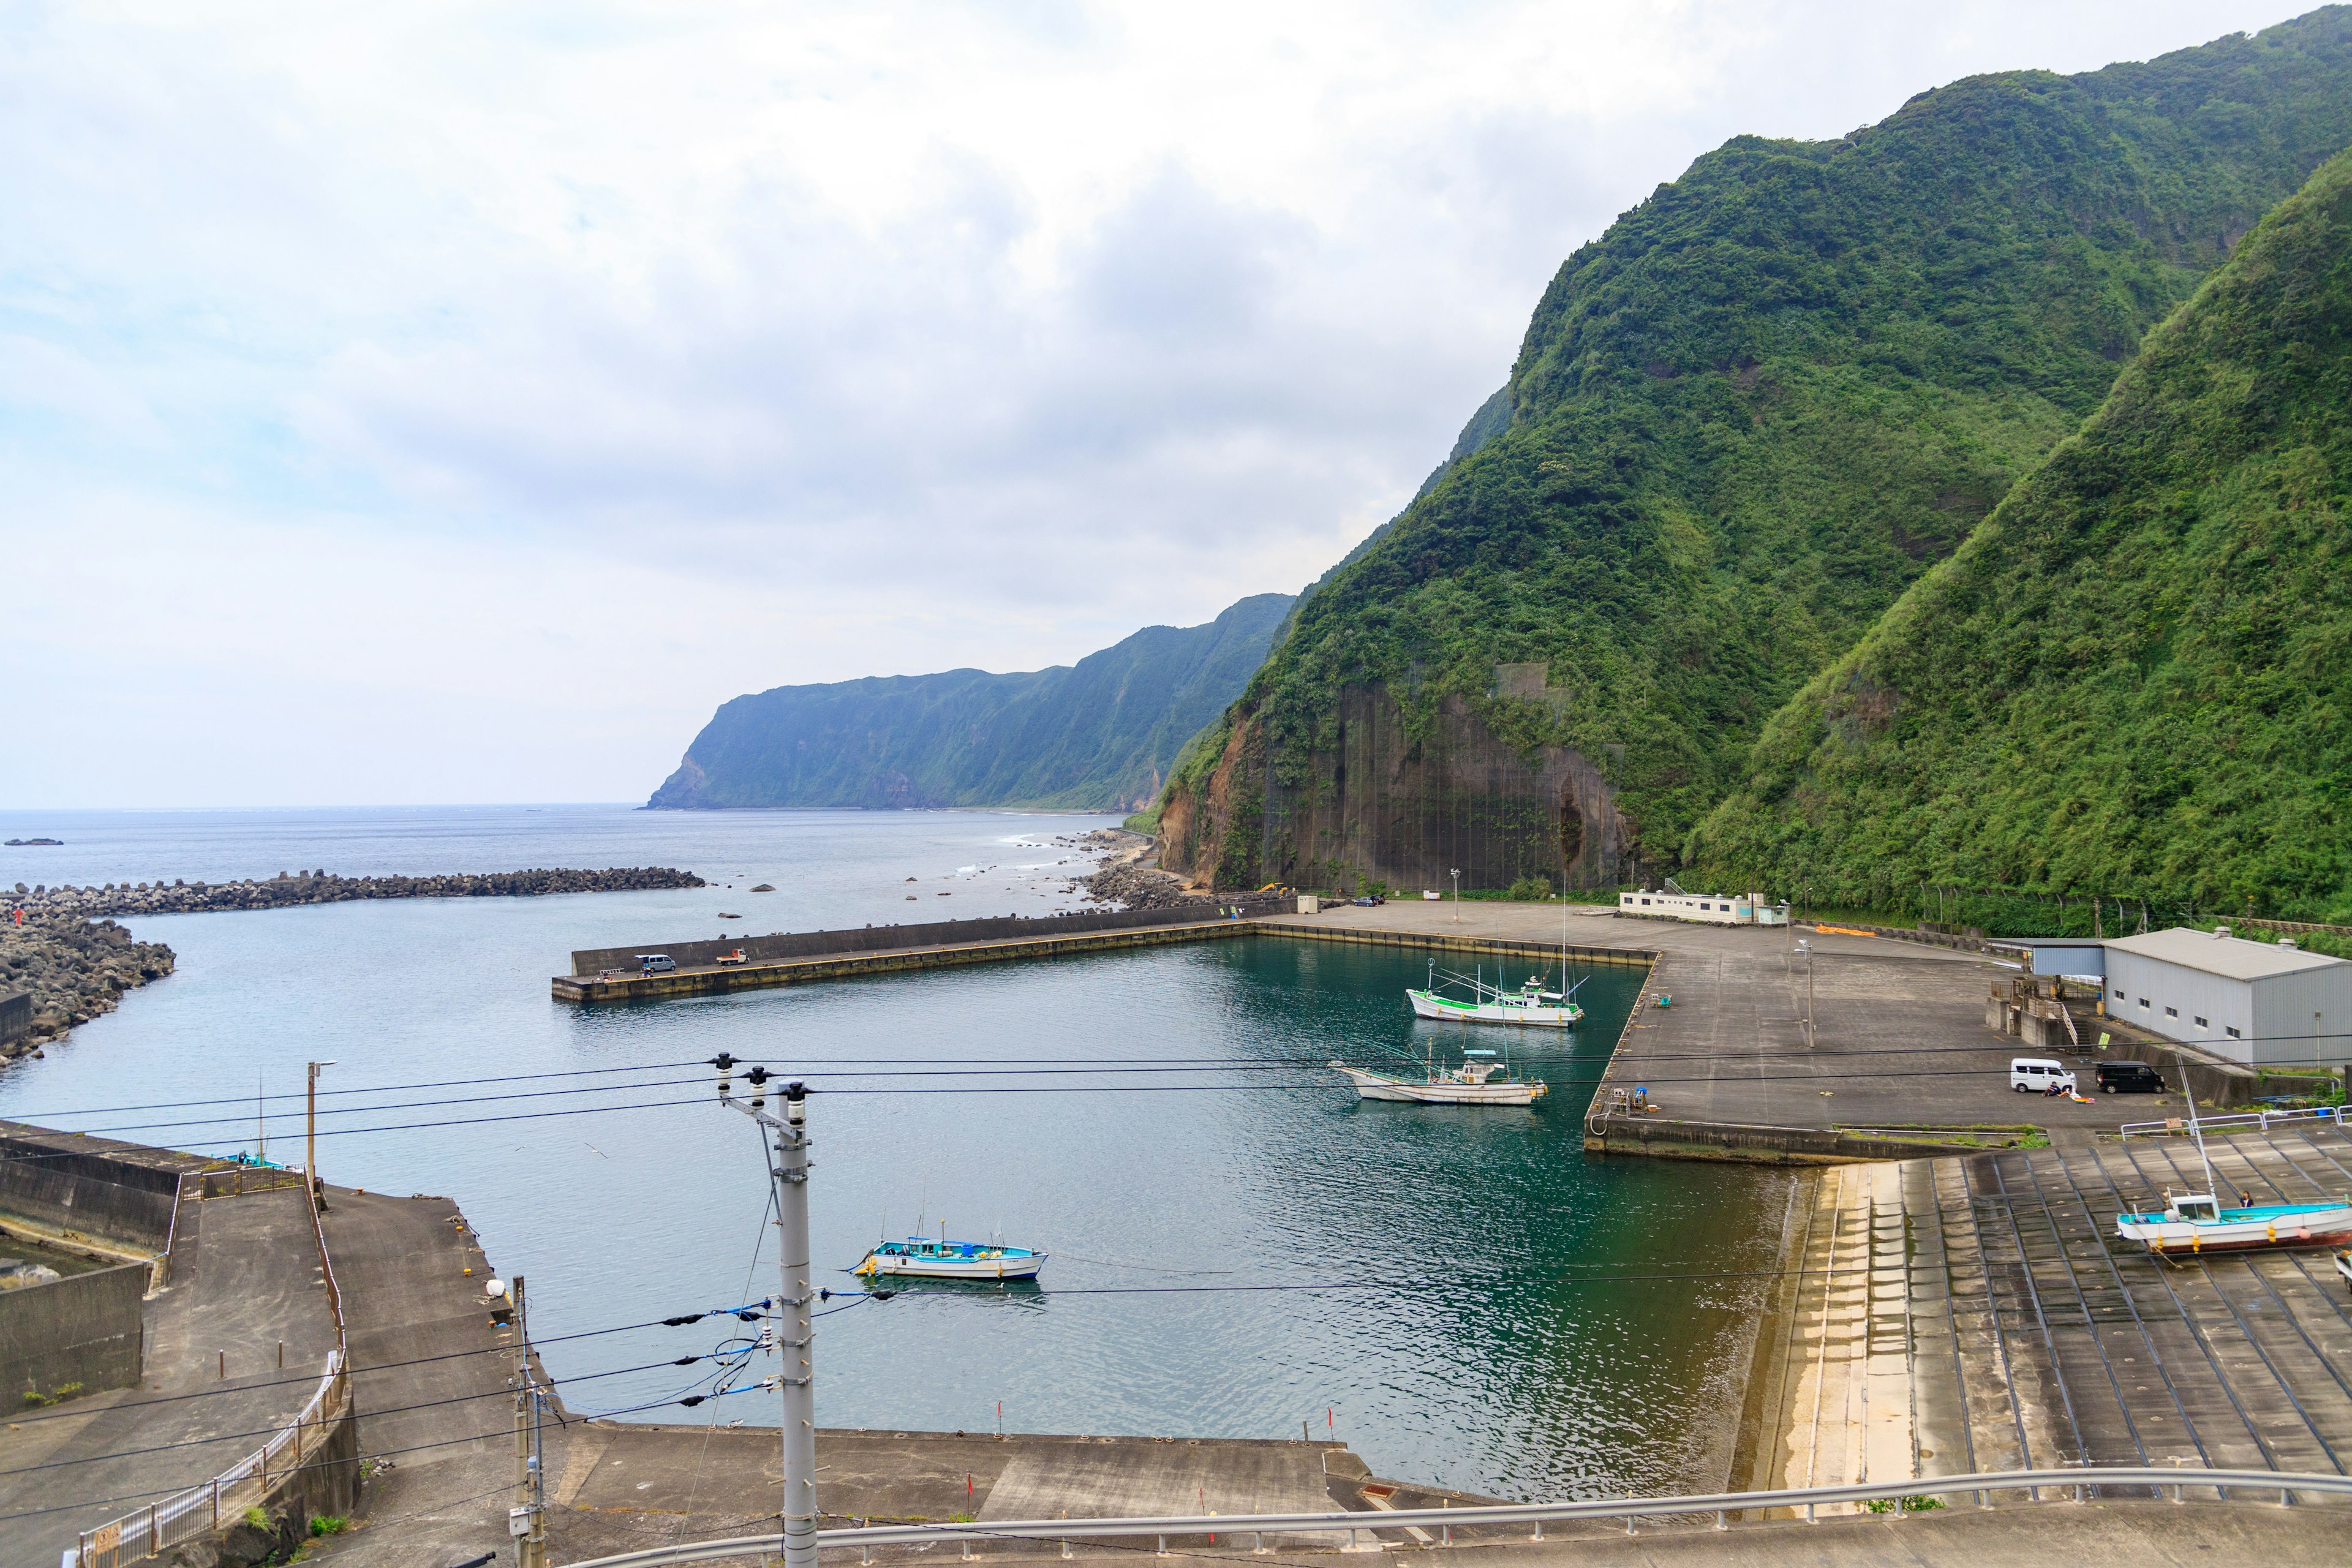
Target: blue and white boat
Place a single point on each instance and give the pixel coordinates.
(937, 1257)
(2196, 1223)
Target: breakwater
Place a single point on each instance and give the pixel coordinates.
(73, 970)
(320, 886)
(706, 968)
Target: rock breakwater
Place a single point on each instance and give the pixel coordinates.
(76, 969)
(320, 887)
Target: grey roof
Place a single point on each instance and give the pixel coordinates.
(2232, 957)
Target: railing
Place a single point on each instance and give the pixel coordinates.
(152, 1530)
(2239, 1121)
(2073, 1483)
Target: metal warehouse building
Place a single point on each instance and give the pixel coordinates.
(2254, 1002)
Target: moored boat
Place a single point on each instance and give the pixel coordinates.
(2197, 1223)
(937, 1257)
(1485, 1004)
(1481, 1080)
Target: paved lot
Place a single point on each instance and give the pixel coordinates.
(246, 1277)
(1898, 1037)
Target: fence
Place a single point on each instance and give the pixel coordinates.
(150, 1531)
(2251, 1121)
(2068, 1483)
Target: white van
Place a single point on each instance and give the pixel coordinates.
(2034, 1075)
(655, 962)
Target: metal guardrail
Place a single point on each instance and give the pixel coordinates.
(2073, 1483)
(2237, 1121)
(152, 1530)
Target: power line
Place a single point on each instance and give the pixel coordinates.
(394, 1365)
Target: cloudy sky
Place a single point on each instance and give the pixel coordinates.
(433, 403)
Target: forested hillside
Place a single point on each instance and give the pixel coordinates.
(1743, 422)
(2136, 678)
(1097, 735)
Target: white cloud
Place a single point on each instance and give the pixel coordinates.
(412, 371)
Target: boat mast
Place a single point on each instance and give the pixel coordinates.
(2212, 1188)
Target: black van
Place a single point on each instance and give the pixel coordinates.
(2129, 1077)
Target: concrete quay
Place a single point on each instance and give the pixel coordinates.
(758, 975)
(1899, 1062)
(1976, 1312)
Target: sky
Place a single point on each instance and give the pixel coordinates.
(437, 402)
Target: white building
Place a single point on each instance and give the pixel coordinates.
(2259, 1003)
(1715, 908)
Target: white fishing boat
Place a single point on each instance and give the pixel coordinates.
(937, 1257)
(2197, 1223)
(1484, 1004)
(1483, 1079)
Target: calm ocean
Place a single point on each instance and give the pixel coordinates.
(1239, 1245)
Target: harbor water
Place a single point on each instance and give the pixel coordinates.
(1241, 1247)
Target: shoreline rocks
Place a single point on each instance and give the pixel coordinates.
(1130, 877)
(75, 969)
(319, 887)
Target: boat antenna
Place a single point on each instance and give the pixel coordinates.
(2212, 1188)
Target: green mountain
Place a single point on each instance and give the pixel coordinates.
(1743, 422)
(2136, 677)
(1097, 735)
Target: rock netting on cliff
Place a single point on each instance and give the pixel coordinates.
(183, 897)
(76, 969)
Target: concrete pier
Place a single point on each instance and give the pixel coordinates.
(1976, 1312)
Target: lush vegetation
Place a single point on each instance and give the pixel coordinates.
(1758, 408)
(2136, 679)
(1099, 734)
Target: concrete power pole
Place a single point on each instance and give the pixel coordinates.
(788, 1163)
(527, 1520)
(311, 1136)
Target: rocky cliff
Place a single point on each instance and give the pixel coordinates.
(1742, 423)
(1097, 735)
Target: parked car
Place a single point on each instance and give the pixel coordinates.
(1370, 901)
(2035, 1075)
(726, 959)
(2129, 1077)
(655, 962)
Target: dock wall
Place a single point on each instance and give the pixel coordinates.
(590, 961)
(1623, 957)
(84, 1328)
(1752, 1145)
(85, 1187)
(758, 976)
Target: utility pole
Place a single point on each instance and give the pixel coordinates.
(310, 1155)
(788, 1163)
(1457, 893)
(1806, 948)
(527, 1520)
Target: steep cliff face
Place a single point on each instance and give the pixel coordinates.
(2133, 679)
(1742, 423)
(1098, 735)
(1408, 794)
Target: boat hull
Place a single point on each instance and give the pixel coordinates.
(2329, 1226)
(879, 1264)
(1380, 1086)
(1428, 1004)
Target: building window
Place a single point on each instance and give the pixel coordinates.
(1646, 900)
(2172, 1012)
(2203, 1025)
(2233, 1032)
(2119, 993)
(2143, 1002)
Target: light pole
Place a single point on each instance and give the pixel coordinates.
(788, 1163)
(1457, 893)
(1806, 948)
(311, 1136)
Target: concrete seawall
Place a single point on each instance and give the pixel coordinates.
(81, 1334)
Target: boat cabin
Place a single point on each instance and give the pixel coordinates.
(2194, 1208)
